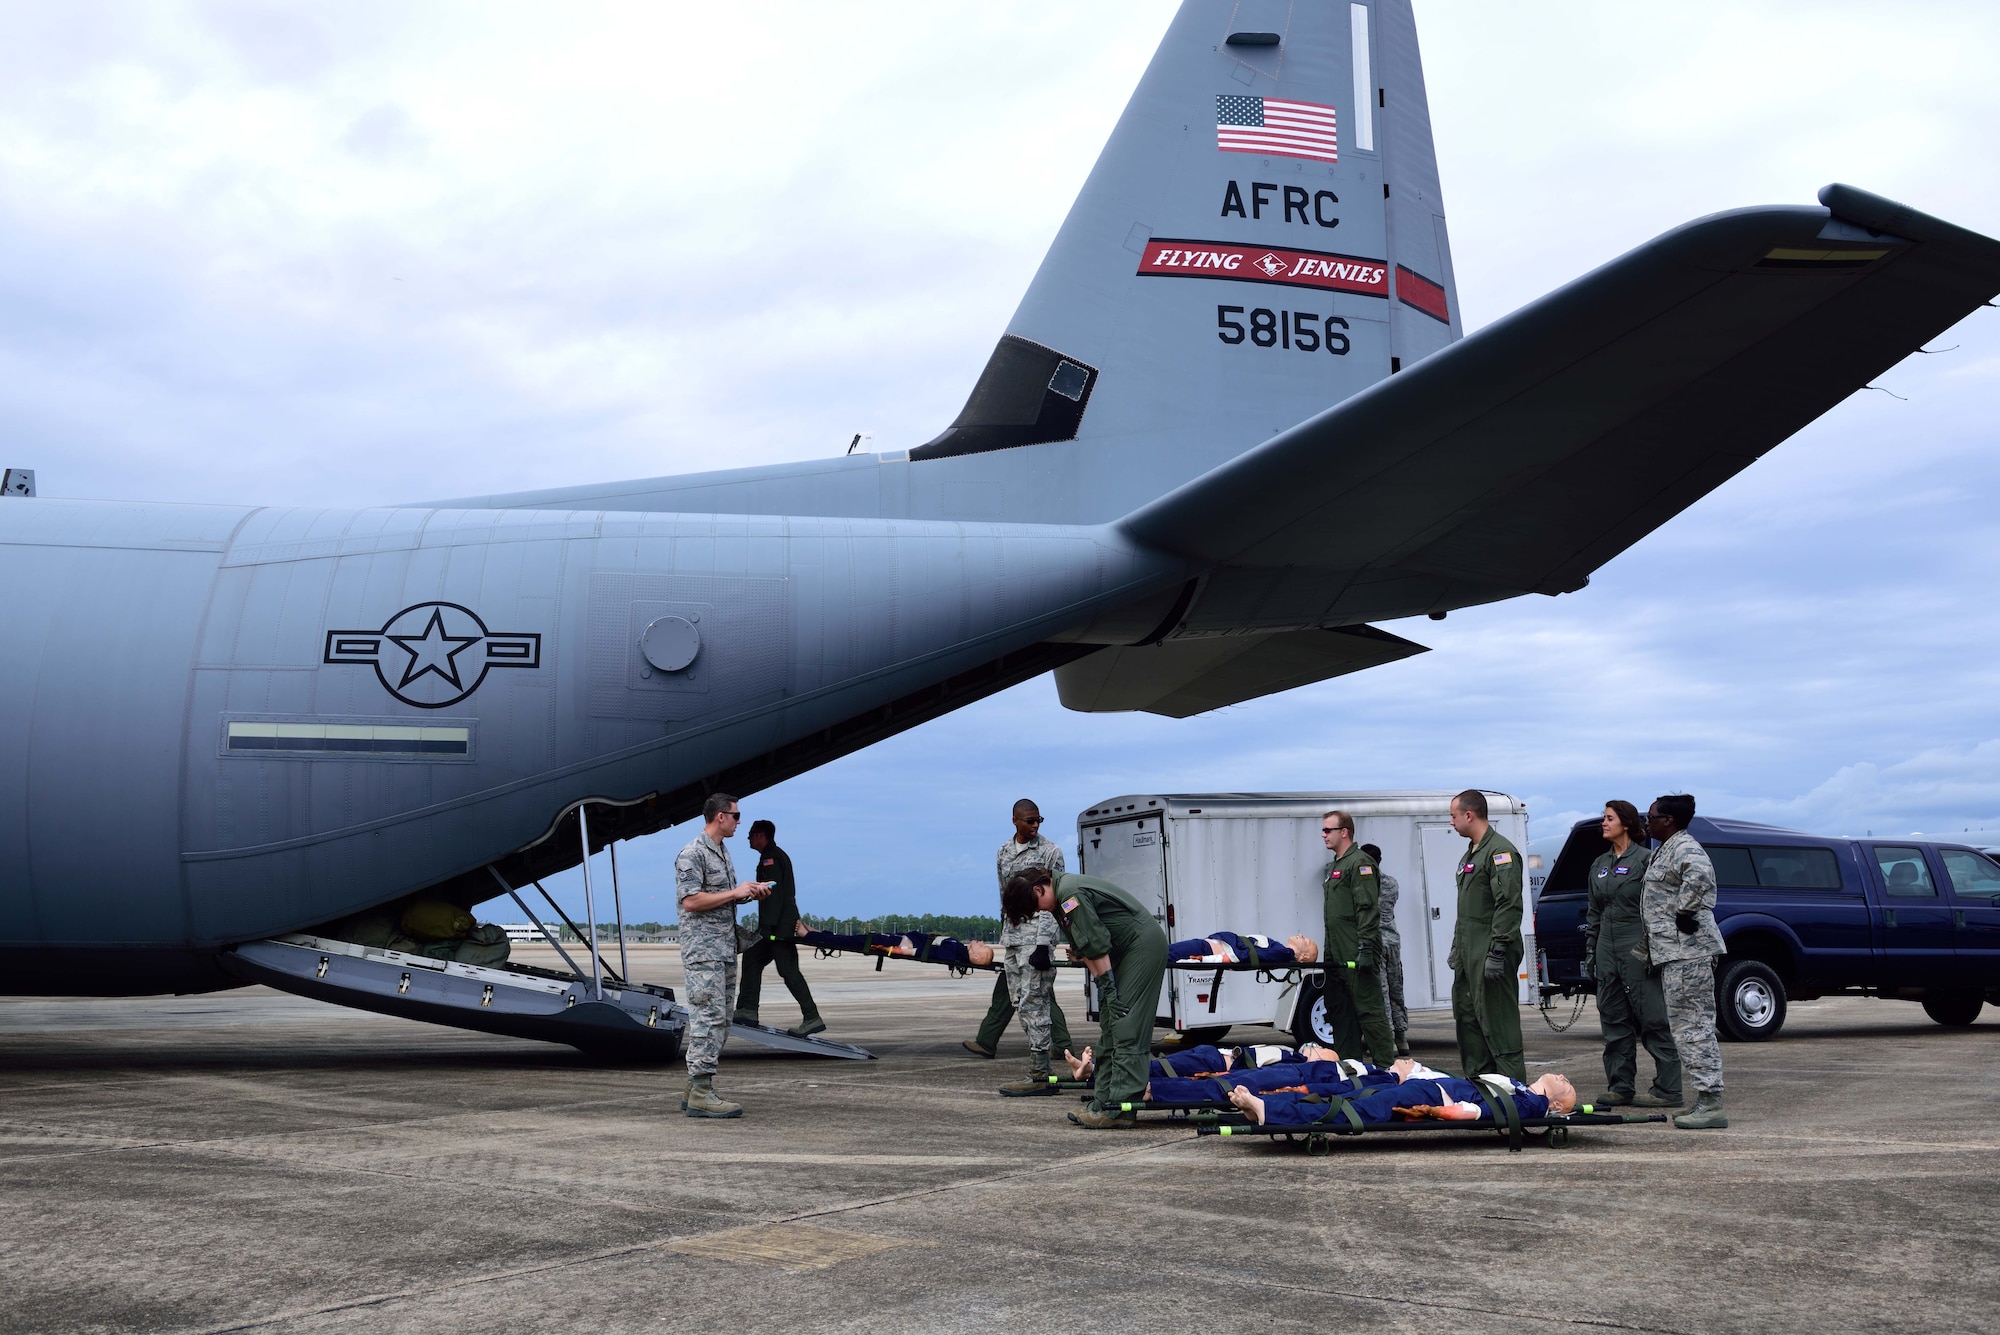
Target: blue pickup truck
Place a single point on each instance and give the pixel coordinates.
(1807, 916)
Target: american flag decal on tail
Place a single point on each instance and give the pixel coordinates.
(1275, 127)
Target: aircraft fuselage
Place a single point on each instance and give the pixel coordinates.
(235, 722)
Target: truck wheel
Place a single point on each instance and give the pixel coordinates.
(1309, 1024)
(1954, 1007)
(1749, 1001)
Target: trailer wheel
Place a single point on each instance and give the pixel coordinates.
(1749, 1001)
(1309, 1022)
(1954, 1007)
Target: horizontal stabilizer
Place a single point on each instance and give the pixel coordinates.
(1185, 677)
(1527, 455)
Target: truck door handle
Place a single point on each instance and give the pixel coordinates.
(1958, 917)
(1437, 913)
(1889, 917)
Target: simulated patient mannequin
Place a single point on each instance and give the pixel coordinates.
(910, 945)
(1205, 1060)
(1229, 948)
(1317, 1070)
(1411, 1097)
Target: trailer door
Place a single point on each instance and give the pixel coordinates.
(1443, 847)
(1132, 855)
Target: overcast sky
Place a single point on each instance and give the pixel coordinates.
(285, 254)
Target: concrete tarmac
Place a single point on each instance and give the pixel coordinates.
(253, 1161)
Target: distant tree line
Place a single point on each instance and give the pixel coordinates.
(608, 931)
(966, 927)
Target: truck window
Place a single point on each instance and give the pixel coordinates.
(1571, 874)
(1797, 868)
(1972, 875)
(1904, 872)
(1732, 865)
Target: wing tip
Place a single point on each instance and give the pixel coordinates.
(1880, 215)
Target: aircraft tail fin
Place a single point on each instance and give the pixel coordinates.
(1262, 237)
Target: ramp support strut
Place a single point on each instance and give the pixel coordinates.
(618, 911)
(590, 904)
(540, 926)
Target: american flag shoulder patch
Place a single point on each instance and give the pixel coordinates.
(1502, 859)
(1364, 871)
(1069, 905)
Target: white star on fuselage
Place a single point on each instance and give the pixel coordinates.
(434, 651)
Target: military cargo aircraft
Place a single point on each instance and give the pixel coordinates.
(1233, 422)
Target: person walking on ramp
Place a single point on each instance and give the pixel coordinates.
(777, 937)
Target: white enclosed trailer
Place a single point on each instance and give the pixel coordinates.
(1254, 862)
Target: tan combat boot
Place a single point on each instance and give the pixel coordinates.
(1039, 1081)
(1706, 1115)
(702, 1102)
(1105, 1119)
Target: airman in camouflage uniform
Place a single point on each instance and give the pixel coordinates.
(1028, 848)
(1391, 968)
(1031, 985)
(708, 951)
(1677, 904)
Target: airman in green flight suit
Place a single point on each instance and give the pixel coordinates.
(1125, 951)
(1352, 893)
(1486, 945)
